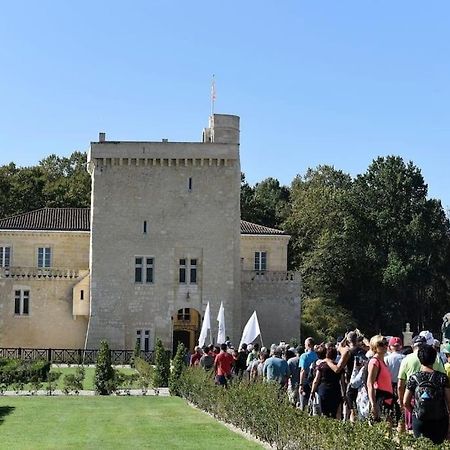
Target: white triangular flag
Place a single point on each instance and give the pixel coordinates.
(206, 325)
(251, 330)
(221, 319)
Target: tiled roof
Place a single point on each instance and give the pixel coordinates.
(78, 219)
(56, 219)
(253, 228)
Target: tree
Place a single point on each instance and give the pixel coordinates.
(265, 204)
(162, 366)
(104, 372)
(54, 182)
(177, 370)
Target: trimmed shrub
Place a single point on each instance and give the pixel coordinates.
(104, 372)
(145, 371)
(177, 370)
(13, 371)
(162, 366)
(263, 410)
(52, 382)
(74, 382)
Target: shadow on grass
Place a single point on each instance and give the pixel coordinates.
(4, 411)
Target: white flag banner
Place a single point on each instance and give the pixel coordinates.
(221, 319)
(206, 325)
(251, 330)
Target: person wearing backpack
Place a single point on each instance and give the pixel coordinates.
(431, 392)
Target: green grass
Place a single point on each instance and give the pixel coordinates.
(88, 383)
(111, 423)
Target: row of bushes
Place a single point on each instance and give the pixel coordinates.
(19, 371)
(264, 411)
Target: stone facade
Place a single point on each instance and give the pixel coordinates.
(165, 239)
(50, 322)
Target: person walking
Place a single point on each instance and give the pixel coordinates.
(431, 392)
(223, 365)
(379, 381)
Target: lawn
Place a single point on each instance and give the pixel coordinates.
(111, 423)
(88, 383)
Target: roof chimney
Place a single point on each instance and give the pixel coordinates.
(101, 137)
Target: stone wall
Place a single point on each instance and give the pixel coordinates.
(50, 323)
(274, 246)
(276, 299)
(186, 197)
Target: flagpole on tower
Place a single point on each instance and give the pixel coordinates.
(213, 94)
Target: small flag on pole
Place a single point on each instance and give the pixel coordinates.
(221, 319)
(206, 325)
(251, 330)
(213, 93)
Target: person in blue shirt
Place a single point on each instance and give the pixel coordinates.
(276, 368)
(305, 361)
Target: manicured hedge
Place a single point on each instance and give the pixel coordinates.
(19, 371)
(262, 410)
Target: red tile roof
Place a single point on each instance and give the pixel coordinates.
(78, 219)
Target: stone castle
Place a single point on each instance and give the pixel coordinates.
(163, 237)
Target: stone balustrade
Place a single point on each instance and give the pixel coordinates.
(267, 276)
(31, 273)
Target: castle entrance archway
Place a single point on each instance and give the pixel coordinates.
(186, 328)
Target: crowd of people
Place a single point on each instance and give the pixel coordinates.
(351, 379)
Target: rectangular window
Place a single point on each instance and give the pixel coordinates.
(149, 270)
(138, 270)
(190, 184)
(82, 294)
(44, 257)
(143, 269)
(138, 338)
(145, 227)
(5, 256)
(260, 261)
(182, 271)
(21, 303)
(193, 271)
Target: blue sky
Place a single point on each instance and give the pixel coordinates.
(315, 82)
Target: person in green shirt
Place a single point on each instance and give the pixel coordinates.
(446, 351)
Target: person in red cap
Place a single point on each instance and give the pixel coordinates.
(393, 361)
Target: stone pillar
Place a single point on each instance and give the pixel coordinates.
(407, 336)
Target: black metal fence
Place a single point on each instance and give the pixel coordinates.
(71, 356)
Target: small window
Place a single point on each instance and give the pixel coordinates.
(149, 270)
(184, 314)
(21, 303)
(138, 270)
(260, 261)
(5, 256)
(145, 227)
(44, 257)
(193, 271)
(190, 184)
(182, 271)
(82, 294)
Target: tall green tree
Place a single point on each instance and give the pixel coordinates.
(267, 203)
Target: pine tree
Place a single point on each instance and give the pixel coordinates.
(177, 370)
(162, 366)
(104, 372)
